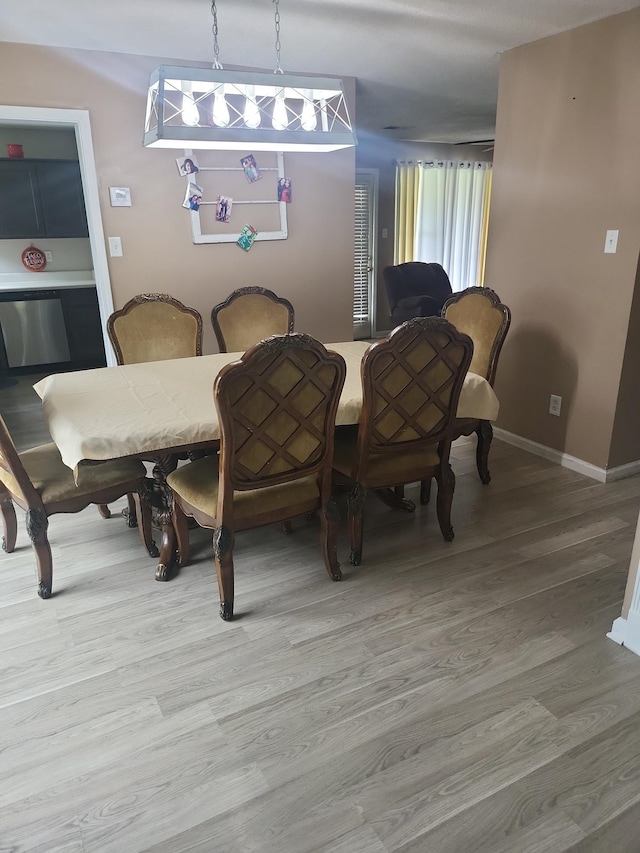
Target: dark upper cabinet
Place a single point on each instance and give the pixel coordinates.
(41, 198)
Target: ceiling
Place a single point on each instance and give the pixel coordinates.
(425, 69)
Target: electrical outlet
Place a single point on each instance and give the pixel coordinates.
(48, 256)
(555, 403)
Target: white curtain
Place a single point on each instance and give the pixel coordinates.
(452, 204)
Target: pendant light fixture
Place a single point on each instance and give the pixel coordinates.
(239, 110)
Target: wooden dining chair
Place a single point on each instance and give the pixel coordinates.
(276, 407)
(39, 482)
(249, 315)
(152, 327)
(411, 382)
(479, 313)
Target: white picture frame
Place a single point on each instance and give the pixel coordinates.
(281, 234)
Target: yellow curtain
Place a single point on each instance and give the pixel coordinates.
(484, 228)
(407, 179)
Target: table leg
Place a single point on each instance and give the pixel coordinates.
(164, 465)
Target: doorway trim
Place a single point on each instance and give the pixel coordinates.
(79, 121)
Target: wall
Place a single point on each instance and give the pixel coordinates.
(381, 154)
(565, 171)
(313, 268)
(68, 254)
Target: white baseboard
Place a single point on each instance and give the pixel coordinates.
(603, 475)
(626, 632)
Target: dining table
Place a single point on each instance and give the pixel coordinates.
(160, 410)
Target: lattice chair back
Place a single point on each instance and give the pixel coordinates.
(411, 385)
(277, 409)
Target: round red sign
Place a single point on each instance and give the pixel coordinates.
(34, 259)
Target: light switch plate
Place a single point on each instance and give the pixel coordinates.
(611, 243)
(115, 247)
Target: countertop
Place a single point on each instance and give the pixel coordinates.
(46, 280)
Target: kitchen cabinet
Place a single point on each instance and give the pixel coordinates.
(41, 198)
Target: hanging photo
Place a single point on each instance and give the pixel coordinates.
(247, 236)
(223, 208)
(187, 165)
(284, 189)
(251, 168)
(193, 197)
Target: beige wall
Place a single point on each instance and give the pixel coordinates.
(566, 171)
(313, 268)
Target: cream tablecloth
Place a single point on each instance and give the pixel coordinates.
(139, 408)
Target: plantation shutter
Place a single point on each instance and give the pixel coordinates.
(362, 256)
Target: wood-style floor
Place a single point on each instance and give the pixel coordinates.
(444, 698)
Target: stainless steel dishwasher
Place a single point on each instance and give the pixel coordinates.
(33, 328)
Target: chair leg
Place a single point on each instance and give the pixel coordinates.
(356, 513)
(485, 437)
(446, 487)
(425, 491)
(130, 512)
(181, 527)
(223, 540)
(9, 523)
(104, 510)
(142, 507)
(37, 523)
(329, 523)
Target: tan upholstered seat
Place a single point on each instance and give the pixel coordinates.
(249, 315)
(154, 327)
(39, 482)
(479, 313)
(276, 408)
(411, 383)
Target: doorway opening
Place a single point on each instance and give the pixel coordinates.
(78, 122)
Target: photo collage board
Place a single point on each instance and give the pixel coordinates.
(235, 198)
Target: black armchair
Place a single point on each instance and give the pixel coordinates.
(416, 289)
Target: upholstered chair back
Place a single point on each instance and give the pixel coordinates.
(479, 313)
(155, 327)
(249, 315)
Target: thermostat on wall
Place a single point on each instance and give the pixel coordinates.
(120, 196)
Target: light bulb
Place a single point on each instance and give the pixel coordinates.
(309, 119)
(251, 115)
(190, 114)
(280, 118)
(220, 109)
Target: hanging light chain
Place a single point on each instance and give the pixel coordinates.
(277, 69)
(214, 29)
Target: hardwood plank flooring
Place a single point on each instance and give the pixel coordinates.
(444, 698)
